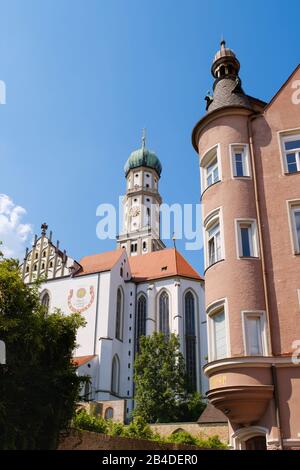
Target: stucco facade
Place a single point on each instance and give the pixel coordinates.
(250, 185)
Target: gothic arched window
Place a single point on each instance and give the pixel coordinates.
(115, 375)
(109, 413)
(164, 324)
(119, 315)
(45, 301)
(141, 319)
(190, 341)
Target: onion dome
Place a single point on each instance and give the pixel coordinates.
(143, 157)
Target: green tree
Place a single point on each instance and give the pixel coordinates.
(160, 381)
(38, 385)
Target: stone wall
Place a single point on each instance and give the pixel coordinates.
(203, 430)
(101, 408)
(85, 440)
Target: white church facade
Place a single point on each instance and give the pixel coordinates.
(139, 288)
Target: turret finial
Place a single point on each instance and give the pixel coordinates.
(143, 138)
(223, 42)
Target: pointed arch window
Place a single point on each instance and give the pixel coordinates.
(164, 324)
(115, 375)
(119, 315)
(141, 319)
(190, 341)
(45, 301)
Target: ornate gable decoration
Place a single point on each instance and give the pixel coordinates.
(46, 260)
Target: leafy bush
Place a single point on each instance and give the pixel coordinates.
(138, 429)
(182, 437)
(83, 420)
(212, 442)
(115, 429)
(38, 386)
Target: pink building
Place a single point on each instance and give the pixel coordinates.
(249, 154)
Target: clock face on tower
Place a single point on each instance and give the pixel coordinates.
(134, 211)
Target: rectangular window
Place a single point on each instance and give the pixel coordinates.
(291, 146)
(247, 239)
(295, 218)
(219, 335)
(254, 334)
(212, 172)
(240, 162)
(214, 243)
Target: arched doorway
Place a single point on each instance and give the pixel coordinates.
(256, 443)
(249, 438)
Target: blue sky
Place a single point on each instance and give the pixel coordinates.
(84, 77)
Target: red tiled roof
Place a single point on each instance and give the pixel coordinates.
(100, 262)
(80, 360)
(160, 264)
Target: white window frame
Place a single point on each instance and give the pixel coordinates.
(211, 310)
(263, 331)
(211, 219)
(205, 161)
(294, 206)
(254, 238)
(244, 150)
(289, 138)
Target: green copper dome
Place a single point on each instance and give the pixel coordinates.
(143, 157)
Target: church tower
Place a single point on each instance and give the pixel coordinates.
(141, 217)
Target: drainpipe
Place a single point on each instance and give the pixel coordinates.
(277, 407)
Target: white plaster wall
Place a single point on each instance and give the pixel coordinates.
(59, 291)
(108, 345)
(149, 179)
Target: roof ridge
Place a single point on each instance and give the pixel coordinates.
(176, 264)
(274, 97)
